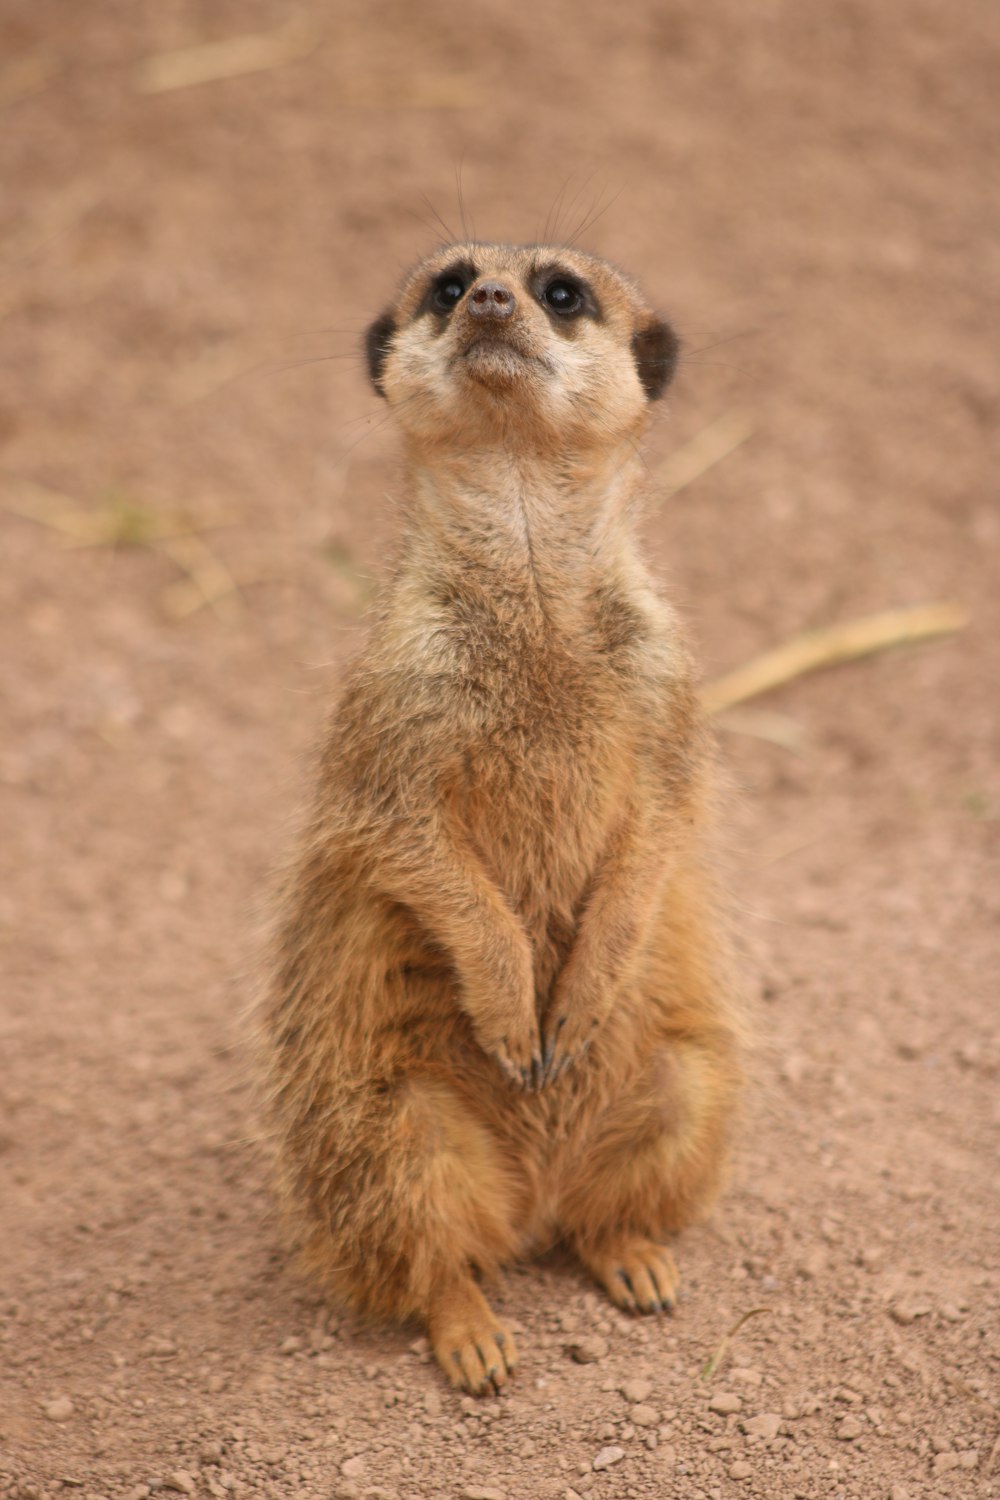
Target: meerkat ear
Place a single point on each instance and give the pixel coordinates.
(378, 342)
(655, 349)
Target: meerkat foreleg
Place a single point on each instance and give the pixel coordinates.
(445, 885)
(612, 932)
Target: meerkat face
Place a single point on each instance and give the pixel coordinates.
(489, 340)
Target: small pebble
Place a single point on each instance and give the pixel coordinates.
(483, 1492)
(794, 1067)
(725, 1403)
(739, 1470)
(637, 1390)
(353, 1468)
(906, 1313)
(211, 1453)
(899, 1492)
(607, 1457)
(59, 1410)
(945, 1462)
(181, 1481)
(588, 1350)
(765, 1426)
(160, 1347)
(813, 1263)
(291, 1345)
(645, 1416)
(849, 1429)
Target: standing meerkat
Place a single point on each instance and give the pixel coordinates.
(501, 1012)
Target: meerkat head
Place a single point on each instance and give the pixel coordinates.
(541, 344)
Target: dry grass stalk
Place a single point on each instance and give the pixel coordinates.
(208, 580)
(122, 522)
(116, 522)
(398, 90)
(702, 452)
(831, 646)
(231, 57)
(763, 724)
(715, 1360)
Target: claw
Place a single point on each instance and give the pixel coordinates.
(624, 1277)
(665, 1302)
(549, 1053)
(551, 1068)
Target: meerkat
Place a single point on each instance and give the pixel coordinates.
(501, 1011)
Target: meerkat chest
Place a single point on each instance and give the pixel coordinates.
(546, 762)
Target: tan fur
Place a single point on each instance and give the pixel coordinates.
(501, 1010)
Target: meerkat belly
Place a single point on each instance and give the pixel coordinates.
(538, 807)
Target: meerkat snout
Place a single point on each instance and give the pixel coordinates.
(490, 301)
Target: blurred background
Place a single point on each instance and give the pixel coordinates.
(201, 208)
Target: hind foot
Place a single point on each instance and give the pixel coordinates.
(472, 1346)
(637, 1274)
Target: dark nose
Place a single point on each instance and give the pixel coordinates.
(491, 299)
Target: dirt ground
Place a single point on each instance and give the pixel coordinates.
(810, 191)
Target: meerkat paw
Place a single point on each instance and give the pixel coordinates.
(637, 1274)
(568, 1034)
(473, 1348)
(518, 1053)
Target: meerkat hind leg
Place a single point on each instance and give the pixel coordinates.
(637, 1274)
(454, 1206)
(473, 1348)
(652, 1162)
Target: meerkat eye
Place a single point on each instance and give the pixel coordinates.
(448, 292)
(562, 296)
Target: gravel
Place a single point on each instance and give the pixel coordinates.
(764, 1426)
(588, 1350)
(726, 1403)
(637, 1390)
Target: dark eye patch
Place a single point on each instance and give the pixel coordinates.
(564, 295)
(439, 297)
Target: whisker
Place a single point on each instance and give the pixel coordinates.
(597, 213)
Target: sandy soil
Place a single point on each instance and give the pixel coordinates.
(811, 192)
